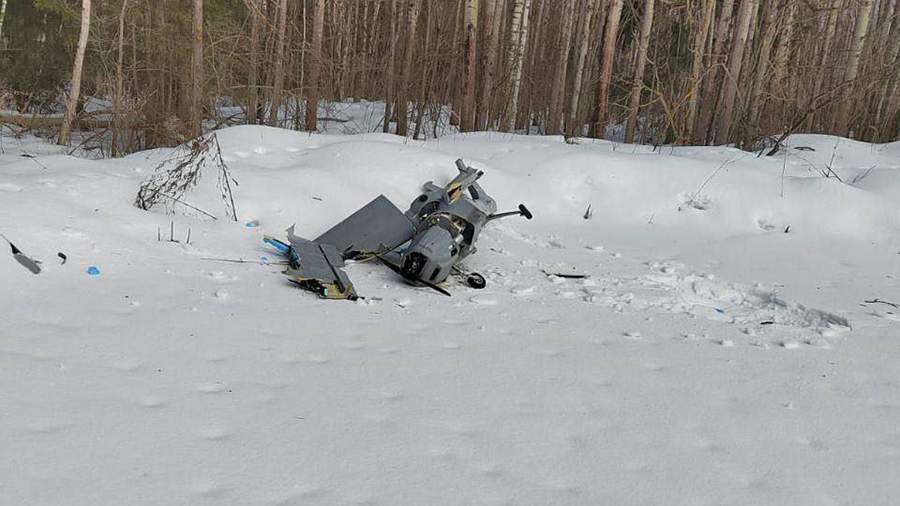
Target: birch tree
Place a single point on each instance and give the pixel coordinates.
(65, 131)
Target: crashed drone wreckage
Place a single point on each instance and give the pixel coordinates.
(424, 245)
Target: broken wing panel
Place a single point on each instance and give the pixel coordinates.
(319, 267)
(377, 227)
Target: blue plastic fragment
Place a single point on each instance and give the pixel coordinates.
(282, 248)
(93, 271)
(252, 224)
(720, 310)
(264, 260)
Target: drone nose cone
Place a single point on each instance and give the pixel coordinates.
(430, 256)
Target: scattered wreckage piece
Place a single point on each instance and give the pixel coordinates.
(423, 245)
(25, 261)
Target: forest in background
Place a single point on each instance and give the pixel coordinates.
(159, 72)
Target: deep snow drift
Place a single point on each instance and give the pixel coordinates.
(721, 351)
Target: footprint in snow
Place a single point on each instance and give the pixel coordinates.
(212, 387)
(214, 433)
(151, 401)
(126, 365)
(632, 335)
(45, 427)
(483, 300)
(208, 488)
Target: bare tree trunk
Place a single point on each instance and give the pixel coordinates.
(65, 131)
(197, 75)
(312, 99)
(274, 113)
(843, 122)
(518, 40)
(2, 17)
(425, 89)
(891, 93)
(535, 61)
(558, 88)
(493, 18)
(253, 102)
(757, 104)
(573, 127)
(390, 78)
(606, 66)
(735, 61)
(712, 79)
(637, 86)
(697, 68)
(468, 120)
(412, 18)
(120, 83)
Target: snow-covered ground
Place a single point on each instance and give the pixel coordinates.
(720, 351)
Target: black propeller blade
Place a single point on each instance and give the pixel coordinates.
(396, 268)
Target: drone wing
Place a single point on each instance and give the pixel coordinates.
(376, 228)
(319, 268)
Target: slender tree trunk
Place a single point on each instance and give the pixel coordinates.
(65, 131)
(277, 91)
(518, 40)
(891, 88)
(312, 99)
(735, 61)
(606, 66)
(782, 52)
(699, 50)
(197, 75)
(558, 88)
(757, 103)
(425, 89)
(391, 79)
(859, 40)
(452, 89)
(253, 105)
(637, 86)
(120, 82)
(2, 17)
(412, 18)
(710, 87)
(573, 126)
(493, 18)
(468, 120)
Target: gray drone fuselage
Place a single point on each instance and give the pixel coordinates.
(448, 222)
(423, 244)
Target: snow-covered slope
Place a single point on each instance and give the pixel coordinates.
(721, 351)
